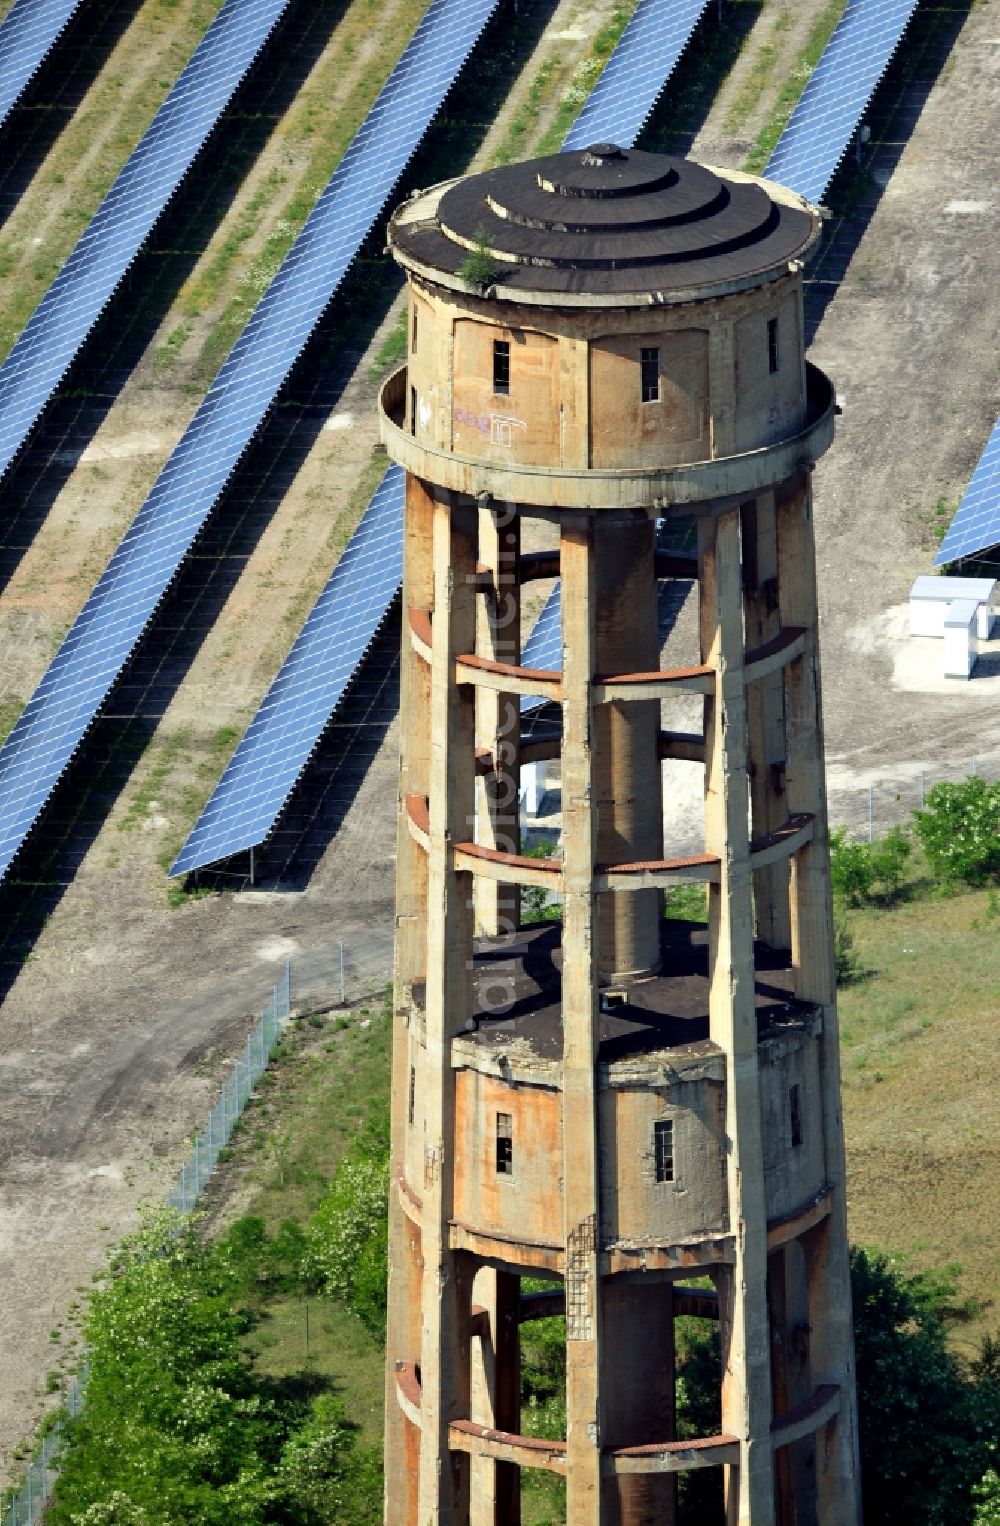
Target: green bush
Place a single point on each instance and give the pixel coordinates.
(987, 1497)
(178, 1426)
(347, 1249)
(861, 871)
(959, 831)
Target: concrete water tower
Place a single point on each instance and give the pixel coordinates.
(624, 1105)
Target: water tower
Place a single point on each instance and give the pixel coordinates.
(644, 1112)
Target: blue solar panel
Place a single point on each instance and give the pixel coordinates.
(85, 284)
(342, 626)
(636, 72)
(840, 87)
(80, 676)
(976, 525)
(27, 33)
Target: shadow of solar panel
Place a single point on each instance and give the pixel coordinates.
(976, 525)
(840, 87)
(123, 221)
(344, 622)
(101, 640)
(636, 73)
(28, 32)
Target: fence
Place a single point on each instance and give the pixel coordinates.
(28, 1505)
(869, 812)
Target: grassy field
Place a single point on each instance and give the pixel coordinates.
(921, 1108)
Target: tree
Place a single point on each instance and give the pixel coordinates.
(928, 1422)
(959, 830)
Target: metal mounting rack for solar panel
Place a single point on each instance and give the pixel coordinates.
(620, 103)
(28, 33)
(821, 127)
(87, 281)
(81, 675)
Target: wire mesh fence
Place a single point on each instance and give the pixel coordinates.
(28, 1505)
(233, 1098)
(870, 812)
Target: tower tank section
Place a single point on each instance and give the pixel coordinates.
(642, 1112)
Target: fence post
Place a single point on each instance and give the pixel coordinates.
(973, 765)
(343, 988)
(922, 790)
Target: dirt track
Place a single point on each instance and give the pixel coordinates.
(115, 1033)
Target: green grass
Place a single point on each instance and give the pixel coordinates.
(920, 1104)
(793, 86)
(10, 709)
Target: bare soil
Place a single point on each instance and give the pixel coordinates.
(114, 1035)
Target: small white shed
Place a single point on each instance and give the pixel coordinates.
(931, 597)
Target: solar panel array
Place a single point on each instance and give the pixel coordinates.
(820, 129)
(636, 73)
(625, 94)
(154, 170)
(976, 525)
(27, 33)
(344, 622)
(101, 640)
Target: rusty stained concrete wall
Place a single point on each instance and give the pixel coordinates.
(636, 1210)
(717, 392)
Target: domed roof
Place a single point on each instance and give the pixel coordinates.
(606, 221)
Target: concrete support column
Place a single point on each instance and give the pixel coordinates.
(765, 717)
(498, 716)
(746, 1382)
(638, 1395)
(629, 804)
(791, 1384)
(581, 1184)
(446, 1302)
(496, 1396)
(832, 1333)
(403, 1330)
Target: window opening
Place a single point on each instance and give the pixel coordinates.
(413, 410)
(795, 1115)
(649, 374)
(411, 1104)
(505, 1144)
(413, 329)
(501, 367)
(663, 1149)
(772, 345)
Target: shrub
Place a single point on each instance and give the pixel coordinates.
(861, 871)
(987, 1497)
(958, 830)
(347, 1252)
(478, 270)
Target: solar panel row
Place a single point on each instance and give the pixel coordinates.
(85, 284)
(620, 102)
(840, 87)
(101, 640)
(328, 650)
(27, 33)
(636, 73)
(976, 525)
